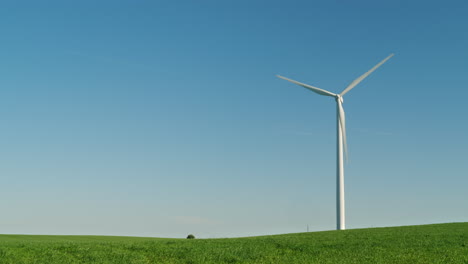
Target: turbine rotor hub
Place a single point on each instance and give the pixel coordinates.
(339, 98)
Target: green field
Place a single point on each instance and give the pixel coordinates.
(439, 243)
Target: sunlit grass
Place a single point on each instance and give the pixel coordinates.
(441, 243)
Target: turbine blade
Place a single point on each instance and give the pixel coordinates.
(343, 129)
(362, 77)
(312, 88)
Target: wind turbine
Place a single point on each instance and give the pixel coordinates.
(340, 138)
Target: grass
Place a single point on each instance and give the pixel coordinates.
(439, 243)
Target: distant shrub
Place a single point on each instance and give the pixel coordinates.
(190, 236)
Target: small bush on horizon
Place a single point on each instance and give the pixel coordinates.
(190, 236)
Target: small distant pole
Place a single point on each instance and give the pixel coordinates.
(307, 228)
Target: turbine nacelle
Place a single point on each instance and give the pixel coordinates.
(339, 98)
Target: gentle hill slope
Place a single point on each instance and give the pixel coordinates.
(439, 243)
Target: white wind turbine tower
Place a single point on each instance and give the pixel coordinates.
(340, 139)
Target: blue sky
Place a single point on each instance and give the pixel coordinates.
(163, 118)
